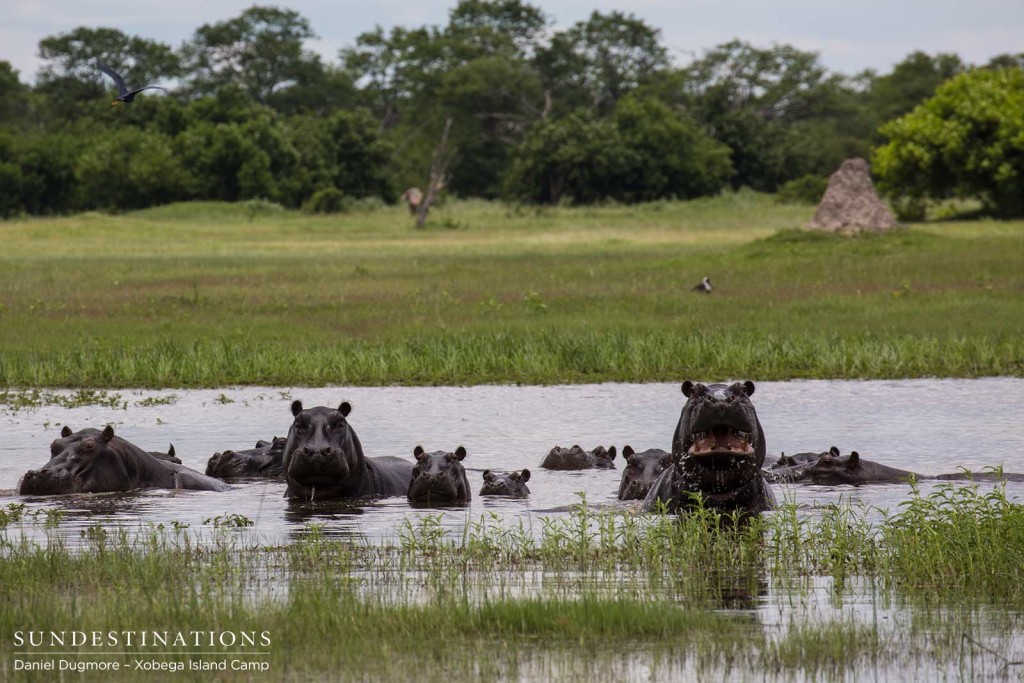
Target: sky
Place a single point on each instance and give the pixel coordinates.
(848, 36)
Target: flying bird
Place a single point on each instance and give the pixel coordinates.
(126, 96)
(704, 287)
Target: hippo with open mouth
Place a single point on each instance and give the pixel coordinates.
(97, 461)
(641, 471)
(265, 461)
(512, 484)
(439, 477)
(324, 459)
(575, 458)
(718, 449)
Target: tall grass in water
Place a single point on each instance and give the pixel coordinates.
(440, 604)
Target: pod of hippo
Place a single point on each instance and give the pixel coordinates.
(575, 458)
(506, 484)
(832, 468)
(718, 449)
(97, 461)
(324, 459)
(265, 461)
(439, 477)
(641, 471)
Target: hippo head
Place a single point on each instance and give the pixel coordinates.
(604, 458)
(641, 471)
(506, 484)
(322, 451)
(718, 441)
(80, 462)
(834, 468)
(439, 477)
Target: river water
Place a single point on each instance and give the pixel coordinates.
(929, 426)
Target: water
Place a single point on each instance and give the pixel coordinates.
(928, 426)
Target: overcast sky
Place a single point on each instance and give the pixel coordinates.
(849, 36)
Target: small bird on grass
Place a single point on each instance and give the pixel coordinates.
(126, 96)
(704, 287)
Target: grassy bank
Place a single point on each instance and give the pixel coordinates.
(593, 591)
(200, 295)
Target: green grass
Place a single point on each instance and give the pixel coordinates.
(199, 295)
(591, 589)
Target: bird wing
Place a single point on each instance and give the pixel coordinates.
(147, 87)
(116, 76)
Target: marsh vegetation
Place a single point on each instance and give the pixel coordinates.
(203, 295)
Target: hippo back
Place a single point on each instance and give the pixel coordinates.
(98, 461)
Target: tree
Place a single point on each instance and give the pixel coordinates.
(479, 28)
(14, 95)
(69, 68)
(645, 151)
(129, 169)
(596, 62)
(965, 141)
(779, 111)
(910, 82)
(261, 50)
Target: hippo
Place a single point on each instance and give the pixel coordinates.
(506, 484)
(97, 461)
(69, 437)
(265, 461)
(718, 449)
(833, 468)
(169, 456)
(793, 468)
(439, 477)
(324, 459)
(641, 471)
(576, 458)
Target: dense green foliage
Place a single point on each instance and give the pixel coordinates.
(594, 111)
(967, 141)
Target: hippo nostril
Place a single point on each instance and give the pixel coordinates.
(325, 451)
(305, 450)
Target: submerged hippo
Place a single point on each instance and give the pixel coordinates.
(641, 471)
(718, 449)
(265, 461)
(506, 484)
(324, 459)
(575, 458)
(69, 437)
(95, 461)
(832, 468)
(439, 477)
(794, 468)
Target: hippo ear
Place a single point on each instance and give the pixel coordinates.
(749, 386)
(785, 461)
(66, 432)
(687, 388)
(525, 475)
(834, 451)
(488, 475)
(460, 453)
(296, 408)
(170, 450)
(627, 451)
(611, 452)
(107, 434)
(419, 454)
(345, 408)
(854, 461)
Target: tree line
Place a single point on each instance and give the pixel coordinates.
(597, 111)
